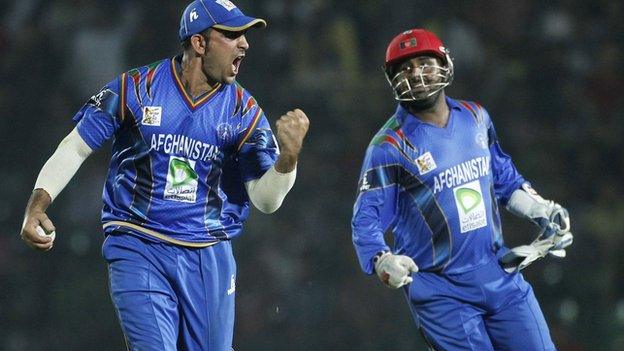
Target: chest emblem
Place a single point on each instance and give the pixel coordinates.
(425, 163)
(470, 206)
(481, 140)
(225, 133)
(152, 116)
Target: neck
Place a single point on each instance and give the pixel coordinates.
(193, 77)
(438, 114)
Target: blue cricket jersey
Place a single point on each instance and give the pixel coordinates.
(436, 189)
(178, 165)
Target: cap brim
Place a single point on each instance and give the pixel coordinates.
(240, 23)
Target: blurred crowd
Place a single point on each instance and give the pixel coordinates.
(546, 71)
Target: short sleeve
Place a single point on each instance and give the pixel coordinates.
(257, 148)
(98, 119)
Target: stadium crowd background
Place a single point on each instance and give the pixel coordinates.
(547, 72)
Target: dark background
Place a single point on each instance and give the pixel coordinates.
(548, 72)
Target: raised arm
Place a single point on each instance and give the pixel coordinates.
(267, 192)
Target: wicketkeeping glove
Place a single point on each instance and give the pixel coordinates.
(522, 256)
(395, 270)
(554, 223)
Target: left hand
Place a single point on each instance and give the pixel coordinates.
(291, 129)
(555, 235)
(553, 238)
(522, 256)
(551, 217)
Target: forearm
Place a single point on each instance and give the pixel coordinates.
(268, 192)
(62, 165)
(367, 233)
(367, 245)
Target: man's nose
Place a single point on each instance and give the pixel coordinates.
(242, 42)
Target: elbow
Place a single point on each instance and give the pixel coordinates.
(265, 206)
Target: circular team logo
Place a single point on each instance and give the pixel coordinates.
(224, 132)
(481, 140)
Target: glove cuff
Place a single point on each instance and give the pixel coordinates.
(523, 200)
(378, 258)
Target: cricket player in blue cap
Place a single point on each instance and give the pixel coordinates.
(191, 148)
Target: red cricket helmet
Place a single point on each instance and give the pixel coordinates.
(412, 43)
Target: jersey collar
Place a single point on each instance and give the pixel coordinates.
(411, 122)
(192, 104)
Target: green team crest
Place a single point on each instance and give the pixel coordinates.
(181, 180)
(470, 206)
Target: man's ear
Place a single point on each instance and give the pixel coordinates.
(199, 44)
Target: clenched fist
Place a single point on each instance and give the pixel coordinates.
(291, 129)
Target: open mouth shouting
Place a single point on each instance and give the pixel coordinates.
(236, 63)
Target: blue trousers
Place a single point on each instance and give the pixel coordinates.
(481, 310)
(169, 297)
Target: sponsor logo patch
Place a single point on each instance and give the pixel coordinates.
(425, 163)
(181, 180)
(228, 5)
(470, 206)
(365, 185)
(151, 115)
(232, 288)
(408, 43)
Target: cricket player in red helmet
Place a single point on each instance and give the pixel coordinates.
(435, 176)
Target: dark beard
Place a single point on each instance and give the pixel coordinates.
(422, 105)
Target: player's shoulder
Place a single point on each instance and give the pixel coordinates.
(144, 75)
(473, 108)
(242, 99)
(238, 89)
(150, 68)
(147, 72)
(389, 139)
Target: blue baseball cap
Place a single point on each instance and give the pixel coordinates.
(221, 14)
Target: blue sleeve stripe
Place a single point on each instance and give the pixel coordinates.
(122, 101)
(497, 233)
